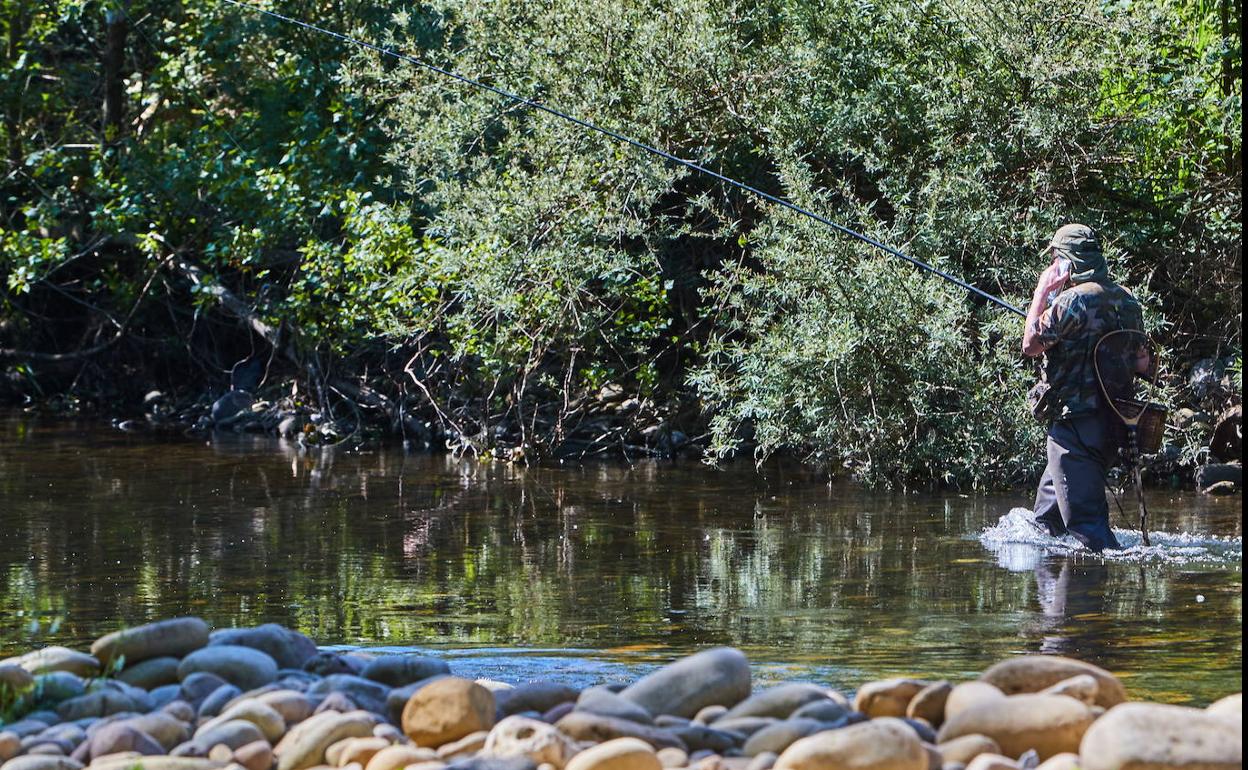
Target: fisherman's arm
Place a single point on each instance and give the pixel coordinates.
(1035, 342)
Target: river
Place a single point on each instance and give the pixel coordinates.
(591, 572)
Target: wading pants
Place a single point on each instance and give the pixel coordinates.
(1071, 497)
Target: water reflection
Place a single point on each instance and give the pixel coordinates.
(621, 563)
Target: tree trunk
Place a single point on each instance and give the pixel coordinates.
(116, 27)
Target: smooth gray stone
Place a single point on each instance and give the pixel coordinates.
(584, 726)
(151, 673)
(49, 718)
(493, 763)
(26, 726)
(826, 710)
(778, 737)
(703, 737)
(296, 679)
(671, 722)
(779, 701)
(173, 638)
(327, 663)
(97, 704)
(200, 685)
(533, 696)
(165, 694)
(215, 703)
(747, 726)
(57, 686)
(287, 648)
(601, 701)
(398, 670)
(718, 676)
(365, 693)
(243, 667)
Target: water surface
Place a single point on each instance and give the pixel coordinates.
(589, 573)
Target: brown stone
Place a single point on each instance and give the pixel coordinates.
(881, 744)
(1152, 736)
(968, 694)
(1050, 724)
(1033, 673)
(447, 710)
(929, 703)
(887, 698)
(965, 748)
(617, 754)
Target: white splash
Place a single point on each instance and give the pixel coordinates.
(1019, 545)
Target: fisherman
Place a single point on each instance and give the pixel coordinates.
(1081, 442)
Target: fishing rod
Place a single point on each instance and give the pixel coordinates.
(637, 143)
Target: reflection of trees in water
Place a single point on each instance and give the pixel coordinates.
(383, 547)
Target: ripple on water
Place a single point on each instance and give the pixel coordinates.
(1019, 546)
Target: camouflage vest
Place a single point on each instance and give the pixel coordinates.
(1070, 328)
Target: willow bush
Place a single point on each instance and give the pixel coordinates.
(519, 267)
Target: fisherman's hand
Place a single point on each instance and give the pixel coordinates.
(1050, 280)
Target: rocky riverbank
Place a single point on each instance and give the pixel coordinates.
(174, 695)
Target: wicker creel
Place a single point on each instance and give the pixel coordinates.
(1151, 425)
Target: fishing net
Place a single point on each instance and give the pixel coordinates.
(1123, 358)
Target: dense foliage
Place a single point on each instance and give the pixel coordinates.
(516, 280)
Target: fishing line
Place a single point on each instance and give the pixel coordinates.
(692, 165)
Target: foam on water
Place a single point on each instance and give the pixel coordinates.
(1018, 545)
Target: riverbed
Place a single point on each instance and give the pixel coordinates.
(594, 572)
